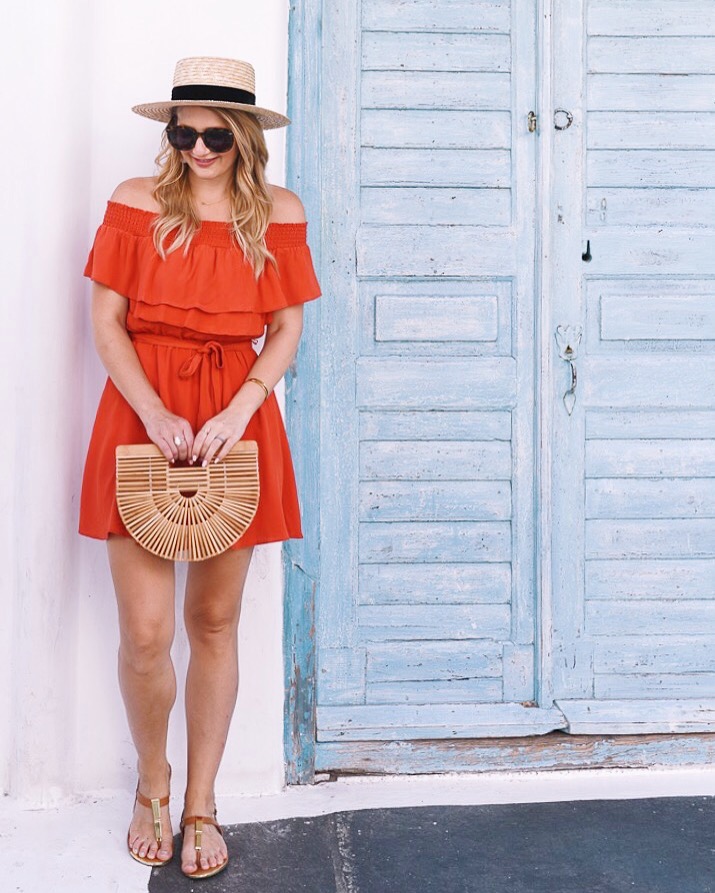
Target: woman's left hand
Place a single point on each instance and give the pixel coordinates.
(218, 435)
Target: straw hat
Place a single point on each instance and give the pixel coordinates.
(215, 83)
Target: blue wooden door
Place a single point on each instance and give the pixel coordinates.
(426, 615)
(514, 510)
(633, 561)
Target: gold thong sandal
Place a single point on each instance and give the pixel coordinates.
(155, 805)
(198, 822)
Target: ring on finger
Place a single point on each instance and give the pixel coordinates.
(217, 437)
(178, 440)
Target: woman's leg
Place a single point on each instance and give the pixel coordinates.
(214, 590)
(144, 585)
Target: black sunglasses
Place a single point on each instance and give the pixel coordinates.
(216, 139)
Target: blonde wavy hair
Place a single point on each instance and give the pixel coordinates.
(250, 201)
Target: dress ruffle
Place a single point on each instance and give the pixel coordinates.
(210, 287)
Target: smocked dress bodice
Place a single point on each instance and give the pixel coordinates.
(207, 292)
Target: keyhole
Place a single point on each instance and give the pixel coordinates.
(587, 255)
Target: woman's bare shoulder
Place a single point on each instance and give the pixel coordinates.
(137, 193)
(287, 207)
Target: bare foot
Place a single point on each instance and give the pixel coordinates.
(213, 847)
(142, 839)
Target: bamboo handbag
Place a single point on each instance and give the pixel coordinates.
(186, 513)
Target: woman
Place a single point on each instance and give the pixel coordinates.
(189, 268)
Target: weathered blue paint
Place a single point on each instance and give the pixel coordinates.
(549, 751)
(601, 715)
(382, 583)
(424, 318)
(647, 19)
(374, 722)
(301, 557)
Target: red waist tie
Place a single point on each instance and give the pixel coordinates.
(206, 358)
(199, 349)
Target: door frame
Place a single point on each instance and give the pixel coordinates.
(301, 557)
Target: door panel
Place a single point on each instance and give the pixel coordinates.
(634, 469)
(426, 626)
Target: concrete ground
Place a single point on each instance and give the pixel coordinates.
(585, 831)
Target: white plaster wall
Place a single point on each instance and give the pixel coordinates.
(90, 62)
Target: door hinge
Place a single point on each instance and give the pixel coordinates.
(532, 119)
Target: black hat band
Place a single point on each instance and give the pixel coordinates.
(210, 93)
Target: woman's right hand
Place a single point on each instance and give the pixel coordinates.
(163, 427)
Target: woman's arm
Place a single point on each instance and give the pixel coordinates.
(117, 353)
(279, 349)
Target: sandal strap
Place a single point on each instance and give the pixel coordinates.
(198, 822)
(155, 806)
(208, 820)
(145, 801)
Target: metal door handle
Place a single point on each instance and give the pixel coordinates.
(568, 339)
(570, 395)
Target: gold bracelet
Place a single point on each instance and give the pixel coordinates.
(262, 384)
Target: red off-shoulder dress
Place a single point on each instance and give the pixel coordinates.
(193, 318)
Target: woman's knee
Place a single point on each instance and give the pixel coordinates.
(214, 591)
(145, 644)
(211, 623)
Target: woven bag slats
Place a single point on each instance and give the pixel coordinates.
(186, 513)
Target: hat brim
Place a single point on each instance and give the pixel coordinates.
(161, 111)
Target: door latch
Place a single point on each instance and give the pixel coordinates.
(563, 119)
(568, 339)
